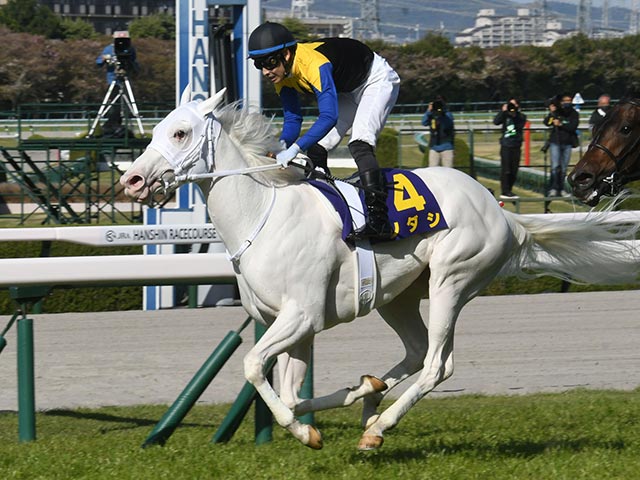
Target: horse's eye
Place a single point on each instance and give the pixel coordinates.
(626, 129)
(179, 134)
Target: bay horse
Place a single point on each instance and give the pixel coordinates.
(297, 275)
(612, 158)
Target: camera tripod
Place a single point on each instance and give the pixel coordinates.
(120, 89)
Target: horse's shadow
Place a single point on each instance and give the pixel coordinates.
(127, 423)
(506, 449)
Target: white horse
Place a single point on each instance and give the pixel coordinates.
(297, 275)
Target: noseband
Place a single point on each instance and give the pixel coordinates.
(616, 179)
(172, 178)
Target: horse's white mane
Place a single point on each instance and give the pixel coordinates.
(255, 136)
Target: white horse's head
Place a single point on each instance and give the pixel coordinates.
(177, 147)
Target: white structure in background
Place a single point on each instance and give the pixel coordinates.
(300, 8)
(527, 27)
(319, 26)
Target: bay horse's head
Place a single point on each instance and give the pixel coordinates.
(177, 147)
(613, 156)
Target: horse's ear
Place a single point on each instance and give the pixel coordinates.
(211, 103)
(186, 95)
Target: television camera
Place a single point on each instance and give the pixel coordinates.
(120, 92)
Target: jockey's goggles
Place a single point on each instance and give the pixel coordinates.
(269, 62)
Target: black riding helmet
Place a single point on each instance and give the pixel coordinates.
(269, 38)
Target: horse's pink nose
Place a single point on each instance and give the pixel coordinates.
(132, 182)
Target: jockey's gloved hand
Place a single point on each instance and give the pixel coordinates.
(284, 157)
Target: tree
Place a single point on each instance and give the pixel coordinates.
(299, 30)
(29, 17)
(161, 25)
(77, 29)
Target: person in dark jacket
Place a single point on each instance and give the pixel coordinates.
(563, 120)
(441, 127)
(512, 121)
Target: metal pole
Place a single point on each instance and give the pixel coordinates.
(3, 341)
(307, 390)
(263, 417)
(26, 382)
(201, 380)
(239, 409)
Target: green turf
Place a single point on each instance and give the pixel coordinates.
(575, 435)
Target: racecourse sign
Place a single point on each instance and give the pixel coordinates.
(192, 44)
(117, 234)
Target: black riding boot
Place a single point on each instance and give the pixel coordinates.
(375, 196)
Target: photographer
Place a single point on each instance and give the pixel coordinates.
(563, 119)
(512, 121)
(119, 57)
(440, 123)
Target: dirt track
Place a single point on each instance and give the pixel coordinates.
(504, 345)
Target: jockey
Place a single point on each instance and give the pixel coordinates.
(354, 87)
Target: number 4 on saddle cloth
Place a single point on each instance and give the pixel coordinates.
(412, 207)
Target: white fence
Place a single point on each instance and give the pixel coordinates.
(144, 269)
(116, 269)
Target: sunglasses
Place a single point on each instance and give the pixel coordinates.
(270, 62)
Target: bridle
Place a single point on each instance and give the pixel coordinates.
(196, 166)
(617, 179)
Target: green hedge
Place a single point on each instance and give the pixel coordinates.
(86, 299)
(387, 148)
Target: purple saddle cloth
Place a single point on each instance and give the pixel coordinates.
(412, 207)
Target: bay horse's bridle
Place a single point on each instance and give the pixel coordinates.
(617, 179)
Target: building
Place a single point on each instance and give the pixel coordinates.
(107, 16)
(526, 27)
(320, 27)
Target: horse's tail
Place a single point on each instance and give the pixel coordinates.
(591, 250)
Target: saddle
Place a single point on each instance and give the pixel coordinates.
(412, 207)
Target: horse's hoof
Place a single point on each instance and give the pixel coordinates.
(377, 384)
(315, 438)
(370, 442)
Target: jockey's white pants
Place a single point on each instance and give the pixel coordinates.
(365, 109)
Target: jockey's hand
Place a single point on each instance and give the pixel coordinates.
(284, 157)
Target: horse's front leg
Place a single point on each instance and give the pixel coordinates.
(290, 328)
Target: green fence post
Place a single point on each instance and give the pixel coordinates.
(201, 380)
(193, 296)
(472, 163)
(239, 410)
(307, 390)
(26, 382)
(3, 341)
(263, 417)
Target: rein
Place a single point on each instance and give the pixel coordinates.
(616, 179)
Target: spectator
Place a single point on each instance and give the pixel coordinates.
(441, 126)
(598, 115)
(563, 120)
(512, 121)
